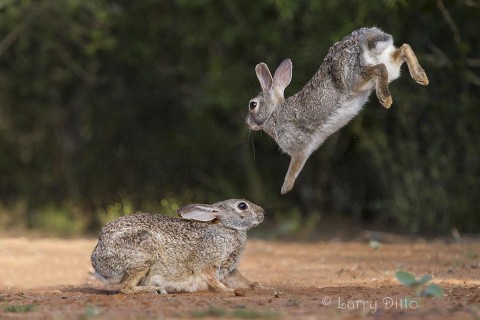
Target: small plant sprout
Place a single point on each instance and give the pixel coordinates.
(420, 285)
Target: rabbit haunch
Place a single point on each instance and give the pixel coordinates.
(155, 253)
(361, 62)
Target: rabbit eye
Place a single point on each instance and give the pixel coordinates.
(252, 105)
(242, 206)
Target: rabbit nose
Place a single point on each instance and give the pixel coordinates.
(248, 121)
(260, 217)
(252, 125)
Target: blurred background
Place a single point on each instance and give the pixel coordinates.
(109, 107)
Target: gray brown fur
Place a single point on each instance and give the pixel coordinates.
(363, 61)
(147, 252)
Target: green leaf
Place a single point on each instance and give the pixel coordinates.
(432, 290)
(424, 279)
(19, 308)
(406, 278)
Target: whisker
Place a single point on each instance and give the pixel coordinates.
(253, 144)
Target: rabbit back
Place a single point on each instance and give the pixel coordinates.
(363, 47)
(339, 82)
(143, 239)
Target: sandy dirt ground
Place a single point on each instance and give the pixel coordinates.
(49, 279)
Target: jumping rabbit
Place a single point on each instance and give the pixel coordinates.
(362, 61)
(154, 253)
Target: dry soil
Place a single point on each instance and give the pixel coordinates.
(49, 279)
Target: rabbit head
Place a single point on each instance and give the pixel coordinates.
(233, 213)
(262, 106)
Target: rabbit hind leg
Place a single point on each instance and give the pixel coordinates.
(379, 73)
(132, 279)
(405, 53)
(210, 276)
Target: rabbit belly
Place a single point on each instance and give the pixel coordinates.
(191, 284)
(348, 110)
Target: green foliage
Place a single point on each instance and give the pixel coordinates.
(56, 221)
(420, 285)
(238, 312)
(91, 311)
(211, 311)
(432, 290)
(409, 280)
(107, 108)
(114, 211)
(19, 308)
(244, 313)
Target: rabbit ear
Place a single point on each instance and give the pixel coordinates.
(264, 76)
(199, 212)
(282, 76)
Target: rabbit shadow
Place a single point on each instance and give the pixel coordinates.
(90, 290)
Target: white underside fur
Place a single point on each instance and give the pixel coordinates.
(373, 57)
(188, 285)
(349, 109)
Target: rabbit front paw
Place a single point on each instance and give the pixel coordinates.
(143, 289)
(287, 187)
